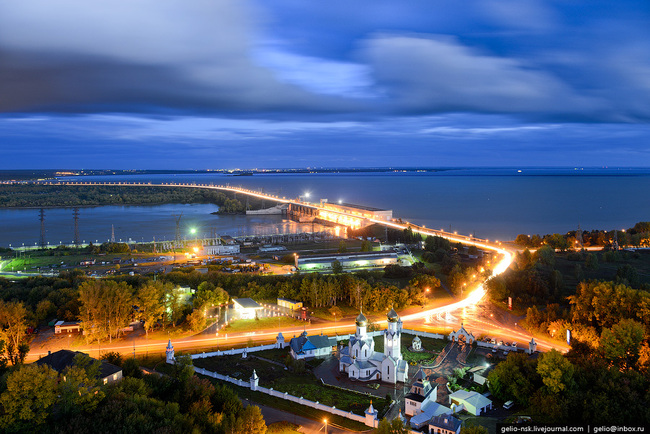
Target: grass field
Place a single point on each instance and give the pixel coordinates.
(303, 384)
(292, 407)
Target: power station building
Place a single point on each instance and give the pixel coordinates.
(349, 261)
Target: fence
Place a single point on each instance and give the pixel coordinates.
(252, 385)
(234, 351)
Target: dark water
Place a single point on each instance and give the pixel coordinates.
(491, 203)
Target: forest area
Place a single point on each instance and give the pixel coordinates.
(36, 195)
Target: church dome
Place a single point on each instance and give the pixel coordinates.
(362, 321)
(416, 339)
(392, 316)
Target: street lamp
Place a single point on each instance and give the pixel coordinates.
(325, 420)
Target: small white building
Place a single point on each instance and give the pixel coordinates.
(416, 345)
(304, 346)
(246, 308)
(473, 402)
(63, 327)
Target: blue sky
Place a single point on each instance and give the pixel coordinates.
(284, 83)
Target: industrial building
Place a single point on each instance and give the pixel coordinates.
(349, 261)
(222, 249)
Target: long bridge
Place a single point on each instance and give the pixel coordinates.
(349, 216)
(344, 215)
(354, 217)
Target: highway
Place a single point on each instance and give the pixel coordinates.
(474, 298)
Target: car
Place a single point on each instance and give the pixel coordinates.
(508, 405)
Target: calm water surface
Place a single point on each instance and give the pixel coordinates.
(491, 203)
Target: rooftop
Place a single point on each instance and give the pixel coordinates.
(61, 359)
(247, 303)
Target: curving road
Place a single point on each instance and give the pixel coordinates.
(473, 299)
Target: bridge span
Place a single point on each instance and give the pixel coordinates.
(346, 216)
(474, 296)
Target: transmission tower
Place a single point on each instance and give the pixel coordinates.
(42, 216)
(77, 241)
(112, 234)
(178, 229)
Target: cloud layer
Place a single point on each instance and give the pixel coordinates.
(210, 74)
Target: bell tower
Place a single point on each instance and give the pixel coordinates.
(392, 337)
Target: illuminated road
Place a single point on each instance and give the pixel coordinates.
(473, 299)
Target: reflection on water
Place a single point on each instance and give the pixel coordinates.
(137, 223)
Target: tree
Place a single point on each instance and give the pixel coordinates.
(556, 372)
(337, 267)
(366, 246)
(523, 240)
(3, 358)
(196, 320)
(496, 287)
(150, 304)
(79, 391)
(473, 429)
(251, 421)
(131, 368)
(183, 368)
(44, 310)
(12, 328)
(209, 295)
(592, 261)
(622, 343)
(106, 307)
(546, 255)
(113, 357)
(173, 303)
(30, 393)
(515, 378)
(342, 247)
(393, 427)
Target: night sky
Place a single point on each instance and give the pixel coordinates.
(206, 84)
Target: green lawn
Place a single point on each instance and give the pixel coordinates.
(303, 384)
(292, 407)
(429, 344)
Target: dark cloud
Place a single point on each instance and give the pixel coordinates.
(373, 82)
(425, 74)
(139, 56)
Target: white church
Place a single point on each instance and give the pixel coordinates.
(360, 360)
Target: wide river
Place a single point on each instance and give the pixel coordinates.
(490, 203)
